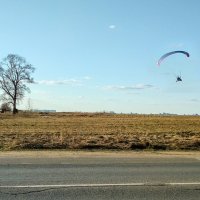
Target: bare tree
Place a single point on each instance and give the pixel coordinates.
(5, 107)
(15, 73)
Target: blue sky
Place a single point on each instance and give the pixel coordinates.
(101, 55)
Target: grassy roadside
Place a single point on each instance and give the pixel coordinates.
(97, 154)
(82, 131)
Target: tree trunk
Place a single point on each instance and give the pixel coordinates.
(15, 111)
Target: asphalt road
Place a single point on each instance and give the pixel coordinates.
(96, 176)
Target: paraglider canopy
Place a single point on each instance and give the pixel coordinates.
(170, 53)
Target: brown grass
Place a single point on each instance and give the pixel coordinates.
(99, 131)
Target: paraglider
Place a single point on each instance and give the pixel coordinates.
(178, 78)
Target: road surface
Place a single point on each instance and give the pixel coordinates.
(79, 175)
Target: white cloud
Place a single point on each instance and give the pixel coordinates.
(80, 97)
(176, 45)
(194, 100)
(71, 81)
(179, 45)
(87, 78)
(112, 26)
(125, 88)
(58, 82)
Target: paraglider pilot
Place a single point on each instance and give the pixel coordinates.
(178, 78)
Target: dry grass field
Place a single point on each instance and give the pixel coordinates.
(98, 131)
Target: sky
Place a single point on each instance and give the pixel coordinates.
(101, 55)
